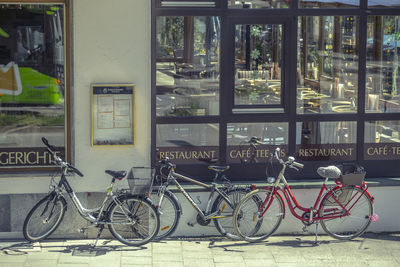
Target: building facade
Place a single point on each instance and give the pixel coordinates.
(121, 84)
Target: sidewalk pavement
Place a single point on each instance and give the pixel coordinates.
(369, 250)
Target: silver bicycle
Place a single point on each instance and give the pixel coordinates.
(133, 220)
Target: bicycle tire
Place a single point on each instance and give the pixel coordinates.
(44, 218)
(169, 213)
(144, 226)
(224, 224)
(347, 227)
(245, 223)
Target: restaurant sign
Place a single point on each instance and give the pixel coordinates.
(382, 151)
(189, 154)
(326, 152)
(247, 154)
(25, 157)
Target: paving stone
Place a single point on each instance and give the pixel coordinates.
(196, 262)
(197, 255)
(167, 264)
(13, 258)
(167, 257)
(234, 259)
(40, 263)
(13, 264)
(260, 262)
(138, 260)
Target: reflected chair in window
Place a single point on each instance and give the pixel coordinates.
(373, 132)
(372, 102)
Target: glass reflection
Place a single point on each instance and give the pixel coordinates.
(259, 4)
(329, 3)
(187, 76)
(326, 140)
(382, 140)
(258, 64)
(272, 135)
(383, 51)
(327, 70)
(188, 143)
(31, 75)
(383, 3)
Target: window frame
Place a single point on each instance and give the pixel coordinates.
(226, 116)
(67, 87)
(267, 108)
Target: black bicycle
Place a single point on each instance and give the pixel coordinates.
(220, 209)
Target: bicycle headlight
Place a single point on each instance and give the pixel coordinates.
(271, 180)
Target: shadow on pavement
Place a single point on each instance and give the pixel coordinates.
(86, 250)
(21, 248)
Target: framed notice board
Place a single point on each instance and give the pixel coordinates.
(112, 114)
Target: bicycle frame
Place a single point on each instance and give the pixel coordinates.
(314, 211)
(173, 176)
(84, 212)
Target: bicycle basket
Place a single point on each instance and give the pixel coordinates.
(352, 178)
(140, 180)
(352, 174)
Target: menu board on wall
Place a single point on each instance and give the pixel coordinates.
(112, 114)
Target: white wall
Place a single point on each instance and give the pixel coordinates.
(111, 44)
(384, 196)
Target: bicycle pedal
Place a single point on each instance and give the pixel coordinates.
(305, 229)
(191, 224)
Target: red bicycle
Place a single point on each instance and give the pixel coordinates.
(345, 210)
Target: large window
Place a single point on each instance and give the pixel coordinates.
(258, 65)
(32, 82)
(327, 64)
(318, 79)
(383, 65)
(187, 66)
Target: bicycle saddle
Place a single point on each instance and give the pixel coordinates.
(329, 172)
(218, 168)
(116, 174)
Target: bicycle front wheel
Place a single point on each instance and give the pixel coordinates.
(44, 218)
(169, 212)
(339, 225)
(134, 221)
(223, 222)
(247, 220)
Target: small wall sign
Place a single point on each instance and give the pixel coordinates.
(112, 114)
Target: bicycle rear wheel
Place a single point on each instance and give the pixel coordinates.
(357, 202)
(44, 218)
(169, 213)
(135, 222)
(246, 221)
(224, 223)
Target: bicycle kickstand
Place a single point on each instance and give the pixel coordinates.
(316, 234)
(98, 235)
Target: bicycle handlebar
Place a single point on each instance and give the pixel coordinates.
(58, 160)
(167, 163)
(291, 163)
